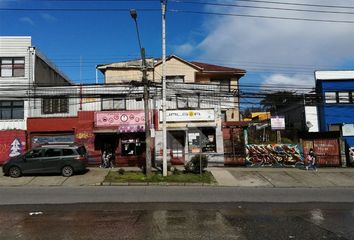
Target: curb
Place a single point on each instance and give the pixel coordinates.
(162, 184)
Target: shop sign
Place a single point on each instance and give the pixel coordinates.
(348, 130)
(119, 118)
(277, 122)
(188, 115)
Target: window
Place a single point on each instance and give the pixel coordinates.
(55, 105)
(132, 147)
(185, 102)
(223, 83)
(113, 104)
(194, 102)
(330, 97)
(68, 152)
(182, 102)
(175, 79)
(12, 67)
(35, 153)
(11, 110)
(52, 152)
(202, 140)
(343, 97)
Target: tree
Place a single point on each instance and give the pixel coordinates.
(274, 101)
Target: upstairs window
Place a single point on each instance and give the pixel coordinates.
(55, 105)
(11, 110)
(330, 97)
(113, 104)
(188, 102)
(224, 84)
(343, 97)
(12, 67)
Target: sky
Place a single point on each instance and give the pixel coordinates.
(279, 43)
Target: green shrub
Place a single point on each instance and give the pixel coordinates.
(121, 171)
(197, 164)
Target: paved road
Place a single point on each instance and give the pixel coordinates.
(143, 194)
(241, 221)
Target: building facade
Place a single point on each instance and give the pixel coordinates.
(200, 98)
(336, 111)
(22, 70)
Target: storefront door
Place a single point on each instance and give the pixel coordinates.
(176, 141)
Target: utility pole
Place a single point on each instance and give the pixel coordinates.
(134, 15)
(164, 131)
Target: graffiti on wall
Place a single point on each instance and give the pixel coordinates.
(12, 144)
(273, 155)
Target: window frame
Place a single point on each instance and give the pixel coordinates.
(112, 101)
(12, 107)
(329, 99)
(13, 66)
(55, 105)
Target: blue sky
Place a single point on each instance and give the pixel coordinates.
(280, 53)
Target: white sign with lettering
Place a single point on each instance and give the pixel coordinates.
(188, 115)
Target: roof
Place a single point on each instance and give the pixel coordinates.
(216, 68)
(334, 75)
(151, 62)
(132, 64)
(180, 59)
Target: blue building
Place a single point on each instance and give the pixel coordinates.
(336, 110)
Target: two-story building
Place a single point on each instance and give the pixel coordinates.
(22, 69)
(336, 111)
(200, 98)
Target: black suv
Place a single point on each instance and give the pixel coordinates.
(51, 158)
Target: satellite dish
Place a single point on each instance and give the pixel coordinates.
(309, 124)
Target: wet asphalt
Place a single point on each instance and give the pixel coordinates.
(178, 221)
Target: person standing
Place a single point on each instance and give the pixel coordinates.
(312, 160)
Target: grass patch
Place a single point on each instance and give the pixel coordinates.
(180, 177)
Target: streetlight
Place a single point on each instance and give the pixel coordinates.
(134, 15)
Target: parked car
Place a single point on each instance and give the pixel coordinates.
(52, 158)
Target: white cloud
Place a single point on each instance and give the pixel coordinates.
(48, 17)
(282, 46)
(298, 82)
(184, 49)
(27, 20)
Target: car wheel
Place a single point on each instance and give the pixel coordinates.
(15, 172)
(67, 171)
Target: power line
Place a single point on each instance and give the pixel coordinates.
(297, 4)
(79, 9)
(260, 16)
(259, 7)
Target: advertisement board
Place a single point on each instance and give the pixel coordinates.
(118, 118)
(277, 122)
(188, 115)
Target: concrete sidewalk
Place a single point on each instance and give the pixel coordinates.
(225, 177)
(283, 177)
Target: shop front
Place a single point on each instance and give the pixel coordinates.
(50, 130)
(123, 133)
(190, 132)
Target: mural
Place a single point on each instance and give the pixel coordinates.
(12, 143)
(274, 155)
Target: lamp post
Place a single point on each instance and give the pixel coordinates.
(134, 15)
